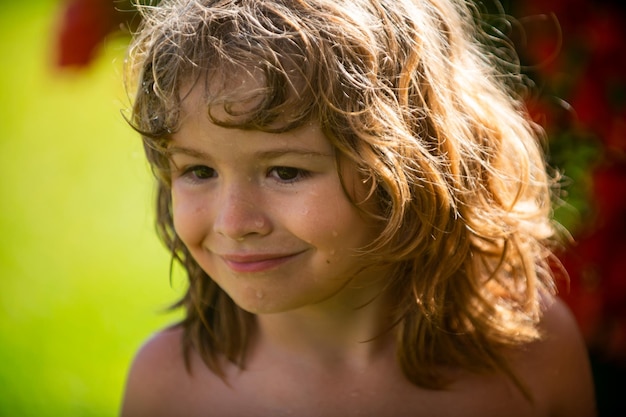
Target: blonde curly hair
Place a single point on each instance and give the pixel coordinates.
(428, 111)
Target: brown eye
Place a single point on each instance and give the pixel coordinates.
(200, 172)
(287, 173)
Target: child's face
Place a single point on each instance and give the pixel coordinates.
(265, 215)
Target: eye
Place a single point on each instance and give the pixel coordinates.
(288, 174)
(199, 172)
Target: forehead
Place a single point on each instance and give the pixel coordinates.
(225, 93)
(224, 102)
(249, 98)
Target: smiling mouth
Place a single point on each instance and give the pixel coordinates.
(256, 263)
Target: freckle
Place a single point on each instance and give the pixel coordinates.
(328, 261)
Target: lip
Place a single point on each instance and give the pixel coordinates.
(249, 263)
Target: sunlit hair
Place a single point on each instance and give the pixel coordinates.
(408, 91)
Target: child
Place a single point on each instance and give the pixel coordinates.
(362, 209)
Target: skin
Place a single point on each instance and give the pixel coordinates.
(266, 217)
(280, 381)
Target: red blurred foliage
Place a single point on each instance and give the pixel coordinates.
(589, 69)
(84, 26)
(597, 266)
(589, 74)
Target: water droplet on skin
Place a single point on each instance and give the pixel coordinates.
(259, 223)
(259, 294)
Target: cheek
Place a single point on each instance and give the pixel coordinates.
(187, 219)
(335, 225)
(315, 213)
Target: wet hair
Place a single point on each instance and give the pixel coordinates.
(410, 92)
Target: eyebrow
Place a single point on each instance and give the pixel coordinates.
(266, 154)
(172, 150)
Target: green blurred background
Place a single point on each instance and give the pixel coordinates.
(84, 279)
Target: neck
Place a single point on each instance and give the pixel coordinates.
(349, 330)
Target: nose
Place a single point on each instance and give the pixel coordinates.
(239, 212)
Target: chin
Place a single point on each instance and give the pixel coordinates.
(260, 302)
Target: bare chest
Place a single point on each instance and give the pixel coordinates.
(365, 395)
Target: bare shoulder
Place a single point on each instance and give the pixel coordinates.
(157, 376)
(557, 367)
